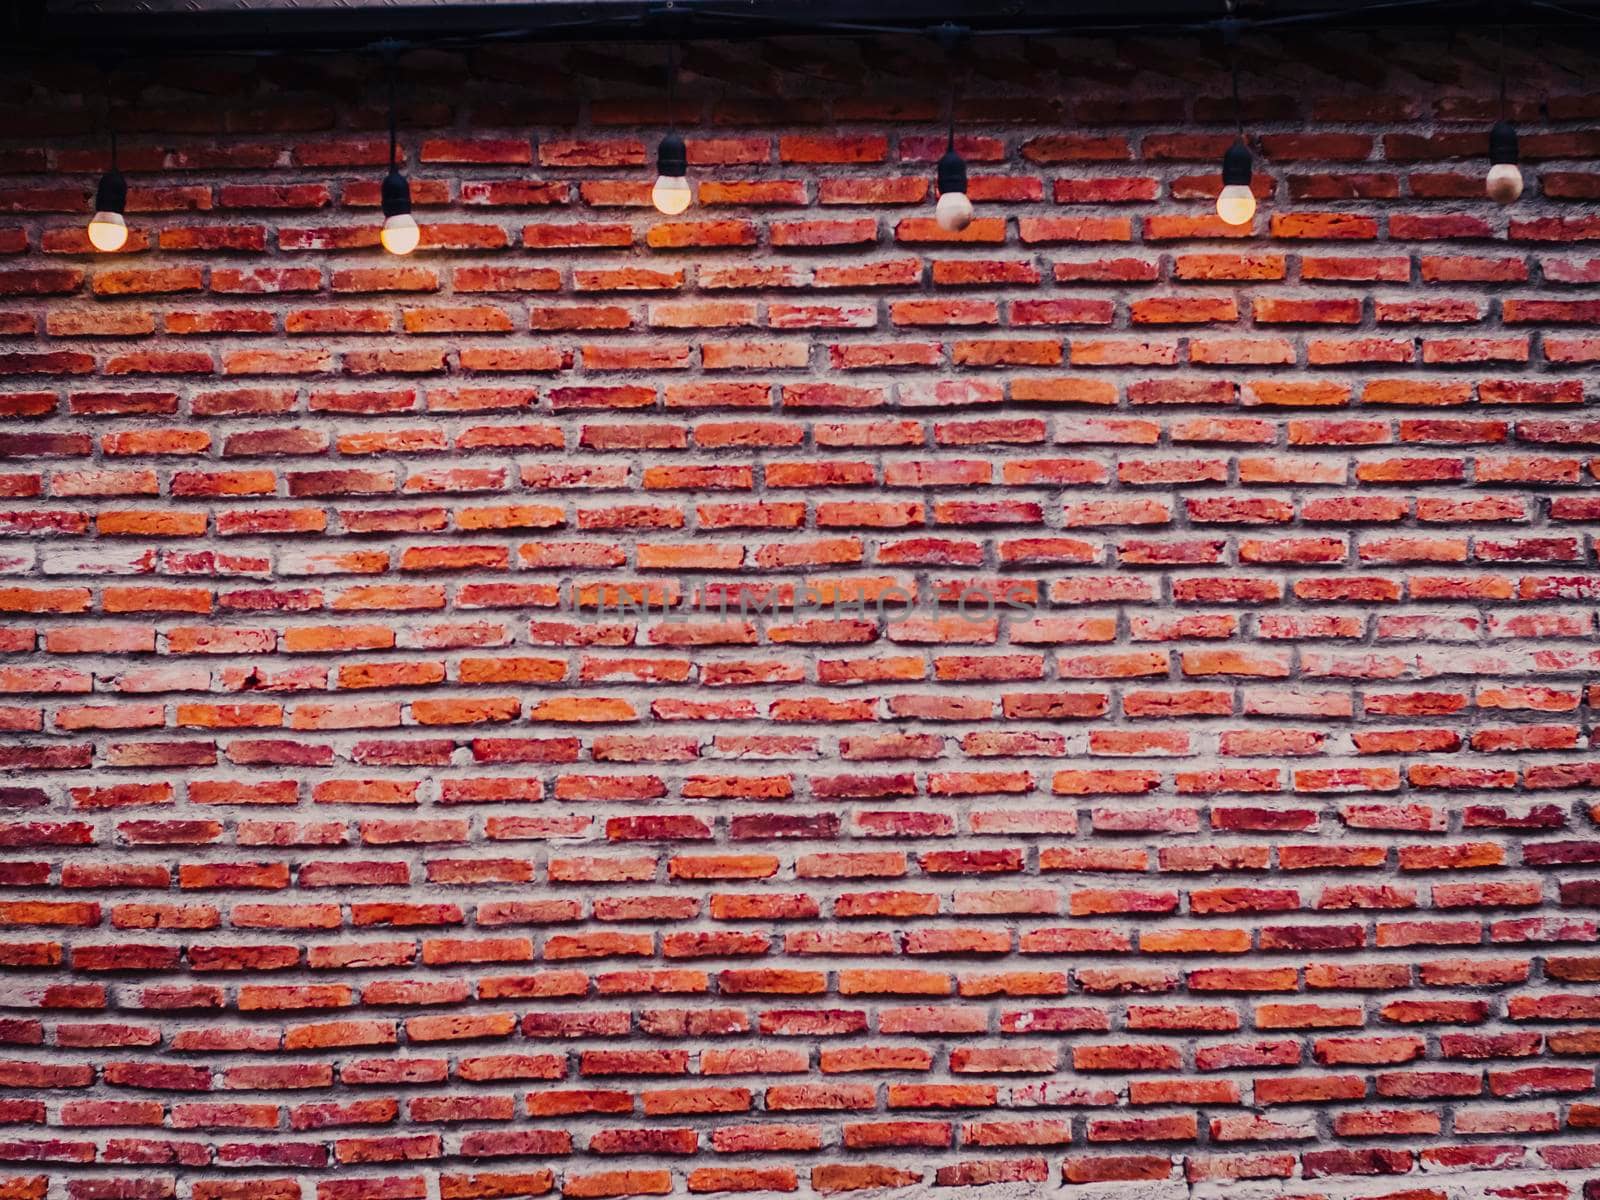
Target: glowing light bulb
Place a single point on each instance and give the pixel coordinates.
(1236, 204)
(400, 233)
(953, 212)
(108, 228)
(671, 194)
(108, 231)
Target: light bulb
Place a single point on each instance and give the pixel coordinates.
(400, 234)
(671, 194)
(1504, 184)
(108, 231)
(1236, 204)
(953, 212)
(108, 228)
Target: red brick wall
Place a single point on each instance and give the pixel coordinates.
(350, 852)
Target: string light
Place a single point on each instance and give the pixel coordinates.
(399, 234)
(108, 228)
(1236, 202)
(1504, 183)
(953, 211)
(671, 194)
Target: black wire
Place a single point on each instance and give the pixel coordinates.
(672, 86)
(394, 131)
(1502, 63)
(1349, 15)
(110, 112)
(1563, 10)
(950, 55)
(1167, 27)
(1230, 41)
(1238, 109)
(1316, 18)
(1026, 31)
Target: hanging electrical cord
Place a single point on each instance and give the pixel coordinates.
(108, 227)
(953, 210)
(672, 194)
(1504, 182)
(1236, 202)
(399, 234)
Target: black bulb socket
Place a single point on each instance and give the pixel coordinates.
(1503, 143)
(112, 194)
(1236, 165)
(396, 194)
(952, 173)
(672, 157)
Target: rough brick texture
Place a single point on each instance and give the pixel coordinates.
(353, 851)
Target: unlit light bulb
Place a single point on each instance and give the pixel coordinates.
(1504, 184)
(108, 231)
(1236, 204)
(671, 194)
(953, 212)
(400, 233)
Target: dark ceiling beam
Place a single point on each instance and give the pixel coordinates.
(65, 26)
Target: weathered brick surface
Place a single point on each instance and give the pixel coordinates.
(354, 851)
